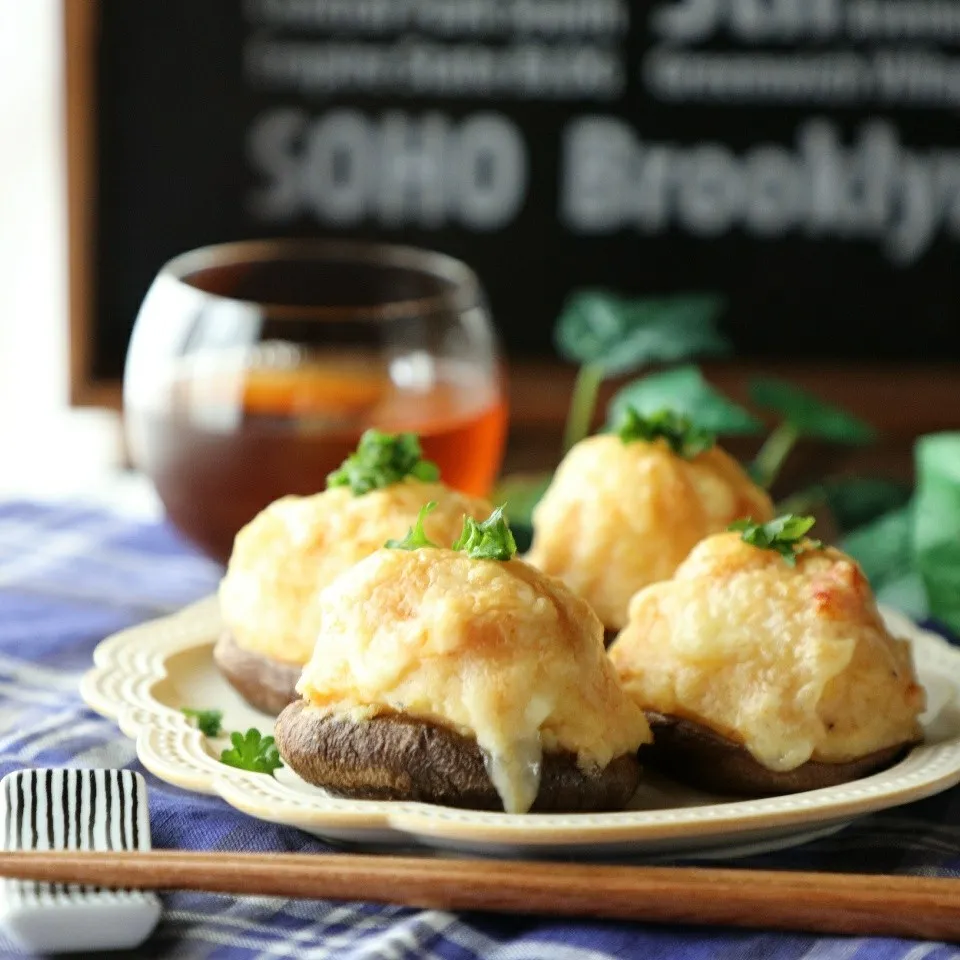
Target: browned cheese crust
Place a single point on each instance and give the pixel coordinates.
(697, 755)
(393, 757)
(266, 684)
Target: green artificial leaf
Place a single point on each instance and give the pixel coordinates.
(209, 722)
(855, 501)
(382, 459)
(786, 535)
(936, 532)
(809, 416)
(884, 549)
(852, 501)
(416, 537)
(618, 334)
(490, 539)
(522, 536)
(684, 437)
(523, 492)
(252, 751)
(685, 391)
(802, 415)
(908, 594)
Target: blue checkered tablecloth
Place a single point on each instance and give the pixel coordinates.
(69, 576)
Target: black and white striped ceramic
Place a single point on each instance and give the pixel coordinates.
(74, 810)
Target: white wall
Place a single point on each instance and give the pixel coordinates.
(45, 447)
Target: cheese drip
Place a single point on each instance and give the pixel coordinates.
(516, 774)
(495, 651)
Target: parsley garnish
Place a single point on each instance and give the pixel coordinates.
(416, 537)
(382, 459)
(209, 722)
(685, 439)
(490, 539)
(786, 535)
(252, 751)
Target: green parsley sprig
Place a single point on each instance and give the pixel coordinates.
(490, 539)
(416, 537)
(209, 722)
(252, 751)
(382, 459)
(786, 535)
(682, 435)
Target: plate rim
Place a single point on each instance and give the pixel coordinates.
(128, 664)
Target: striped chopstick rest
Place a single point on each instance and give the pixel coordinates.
(74, 810)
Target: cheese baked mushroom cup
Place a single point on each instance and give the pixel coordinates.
(622, 512)
(479, 683)
(293, 549)
(767, 670)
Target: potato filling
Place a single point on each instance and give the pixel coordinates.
(620, 516)
(794, 663)
(296, 546)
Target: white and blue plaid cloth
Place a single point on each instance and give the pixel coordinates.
(69, 576)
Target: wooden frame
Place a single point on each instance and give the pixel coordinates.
(80, 23)
(902, 401)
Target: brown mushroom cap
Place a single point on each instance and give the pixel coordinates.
(695, 754)
(266, 684)
(394, 757)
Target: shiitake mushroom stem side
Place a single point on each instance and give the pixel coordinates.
(268, 685)
(395, 757)
(694, 754)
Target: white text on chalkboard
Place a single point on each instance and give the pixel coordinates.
(875, 189)
(398, 170)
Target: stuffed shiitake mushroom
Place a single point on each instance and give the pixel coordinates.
(290, 551)
(462, 677)
(624, 509)
(764, 666)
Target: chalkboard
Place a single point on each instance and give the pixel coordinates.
(801, 157)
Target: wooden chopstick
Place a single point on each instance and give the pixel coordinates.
(783, 900)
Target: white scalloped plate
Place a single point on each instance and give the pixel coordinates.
(144, 675)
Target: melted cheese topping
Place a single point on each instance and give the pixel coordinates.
(497, 651)
(793, 663)
(618, 517)
(290, 551)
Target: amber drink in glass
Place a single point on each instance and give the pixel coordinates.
(254, 368)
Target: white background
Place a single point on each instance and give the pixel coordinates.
(46, 449)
